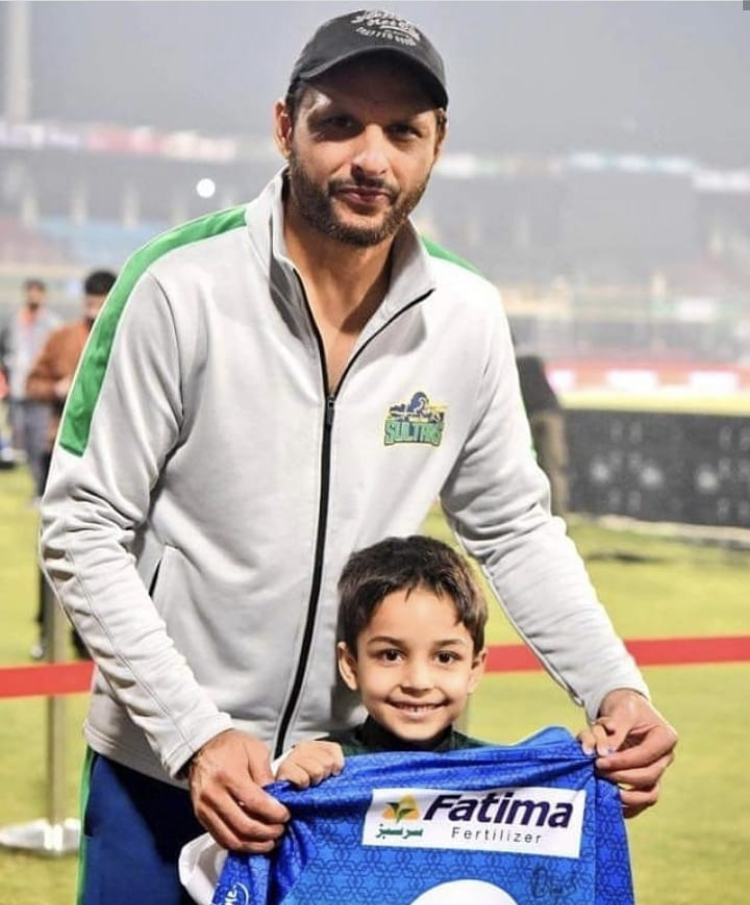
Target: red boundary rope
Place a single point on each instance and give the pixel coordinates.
(48, 679)
(71, 678)
(646, 651)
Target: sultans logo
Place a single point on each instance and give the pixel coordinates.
(531, 820)
(416, 421)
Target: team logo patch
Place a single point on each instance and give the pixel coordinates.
(416, 421)
(530, 820)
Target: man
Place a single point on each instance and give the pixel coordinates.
(49, 382)
(241, 422)
(22, 338)
(547, 423)
(52, 372)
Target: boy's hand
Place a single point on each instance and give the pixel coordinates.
(309, 763)
(634, 744)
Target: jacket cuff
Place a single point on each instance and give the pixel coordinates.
(177, 761)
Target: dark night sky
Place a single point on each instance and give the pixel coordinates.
(652, 77)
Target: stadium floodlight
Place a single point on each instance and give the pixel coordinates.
(205, 188)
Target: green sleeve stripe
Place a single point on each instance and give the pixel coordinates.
(437, 251)
(76, 426)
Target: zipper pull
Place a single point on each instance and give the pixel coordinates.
(330, 408)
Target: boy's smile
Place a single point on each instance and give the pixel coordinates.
(415, 665)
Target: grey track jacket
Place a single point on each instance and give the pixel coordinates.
(206, 490)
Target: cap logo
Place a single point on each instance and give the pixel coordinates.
(386, 26)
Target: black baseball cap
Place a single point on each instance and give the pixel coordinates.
(368, 31)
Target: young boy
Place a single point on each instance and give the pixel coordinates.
(411, 643)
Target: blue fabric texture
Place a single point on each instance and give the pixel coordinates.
(514, 825)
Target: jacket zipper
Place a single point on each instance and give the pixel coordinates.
(325, 480)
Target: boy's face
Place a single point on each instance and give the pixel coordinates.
(415, 665)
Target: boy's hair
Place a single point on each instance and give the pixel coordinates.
(406, 563)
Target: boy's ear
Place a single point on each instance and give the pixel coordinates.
(347, 665)
(477, 669)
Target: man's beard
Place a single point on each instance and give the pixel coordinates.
(316, 206)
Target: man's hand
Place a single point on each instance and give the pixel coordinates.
(225, 777)
(309, 763)
(635, 745)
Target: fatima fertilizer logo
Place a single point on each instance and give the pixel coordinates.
(403, 809)
(416, 421)
(529, 820)
(377, 23)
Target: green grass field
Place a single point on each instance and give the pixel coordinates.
(692, 849)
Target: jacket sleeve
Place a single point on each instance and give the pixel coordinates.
(497, 502)
(122, 418)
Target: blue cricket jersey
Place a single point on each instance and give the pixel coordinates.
(517, 825)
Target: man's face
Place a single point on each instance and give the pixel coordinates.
(360, 151)
(415, 665)
(34, 297)
(92, 305)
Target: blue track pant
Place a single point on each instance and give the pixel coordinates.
(133, 830)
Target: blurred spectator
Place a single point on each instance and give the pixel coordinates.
(7, 459)
(52, 372)
(49, 381)
(21, 339)
(547, 421)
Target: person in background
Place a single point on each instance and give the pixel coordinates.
(48, 383)
(21, 339)
(51, 374)
(547, 422)
(266, 390)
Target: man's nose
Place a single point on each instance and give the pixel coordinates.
(371, 157)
